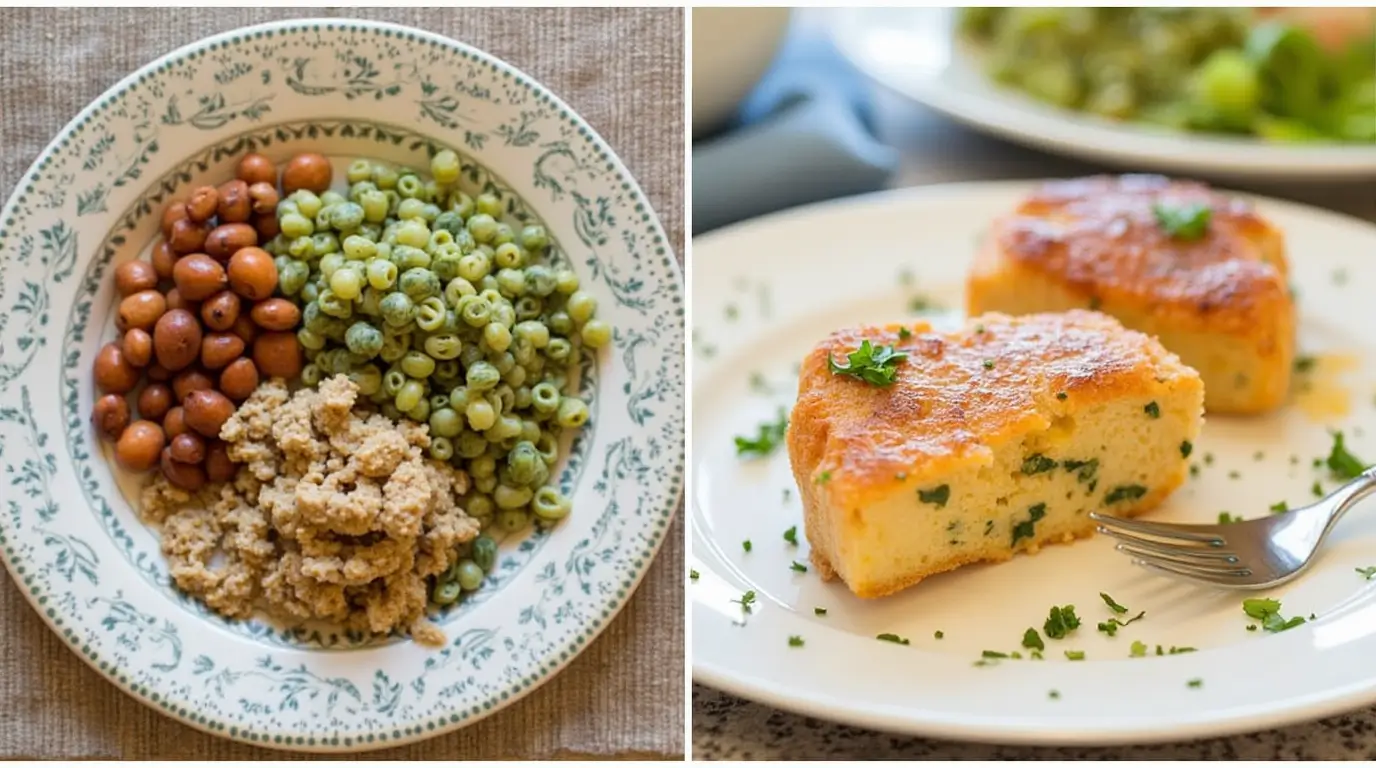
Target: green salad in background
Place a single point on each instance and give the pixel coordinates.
(1219, 70)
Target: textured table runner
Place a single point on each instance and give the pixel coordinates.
(622, 70)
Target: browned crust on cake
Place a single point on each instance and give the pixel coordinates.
(1099, 238)
(847, 439)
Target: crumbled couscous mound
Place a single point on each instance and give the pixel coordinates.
(336, 514)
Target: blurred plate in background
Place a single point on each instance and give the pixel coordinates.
(915, 51)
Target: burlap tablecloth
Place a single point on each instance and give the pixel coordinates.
(623, 71)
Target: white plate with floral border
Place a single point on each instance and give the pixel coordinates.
(916, 52)
(765, 291)
(72, 540)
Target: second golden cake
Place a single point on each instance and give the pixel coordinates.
(1199, 270)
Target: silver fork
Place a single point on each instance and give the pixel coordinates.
(1248, 555)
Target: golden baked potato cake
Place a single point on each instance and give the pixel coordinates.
(1199, 270)
(995, 439)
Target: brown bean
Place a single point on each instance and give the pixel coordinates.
(276, 314)
(218, 466)
(177, 339)
(188, 381)
(267, 226)
(188, 477)
(158, 373)
(113, 373)
(175, 300)
(252, 273)
(235, 205)
(188, 236)
(264, 197)
(202, 204)
(155, 401)
(139, 448)
(163, 260)
(220, 311)
(137, 346)
(206, 411)
(239, 379)
(225, 239)
(174, 212)
(188, 448)
(307, 170)
(245, 329)
(134, 276)
(110, 416)
(174, 423)
(277, 354)
(140, 310)
(220, 349)
(199, 277)
(256, 169)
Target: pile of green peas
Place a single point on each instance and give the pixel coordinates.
(442, 312)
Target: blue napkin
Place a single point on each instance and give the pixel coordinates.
(804, 134)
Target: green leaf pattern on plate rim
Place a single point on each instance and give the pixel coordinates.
(106, 593)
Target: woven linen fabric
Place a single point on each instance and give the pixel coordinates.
(622, 70)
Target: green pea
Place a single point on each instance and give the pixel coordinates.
(497, 337)
(285, 206)
(411, 209)
(398, 310)
(490, 204)
(483, 466)
(390, 411)
(462, 204)
(310, 292)
(515, 377)
(534, 238)
(346, 216)
(324, 242)
(540, 280)
(474, 310)
(530, 431)
(409, 257)
(334, 306)
(449, 372)
(375, 206)
(410, 395)
(330, 262)
(431, 314)
(521, 461)
(417, 365)
(566, 282)
(419, 283)
(445, 422)
(560, 323)
(310, 339)
(559, 350)
(506, 428)
(545, 397)
(413, 233)
(511, 282)
(529, 308)
(502, 362)
(508, 497)
(572, 413)
(534, 332)
(445, 265)
(420, 413)
(307, 202)
(483, 227)
(358, 247)
(488, 283)
(295, 225)
(581, 306)
(523, 351)
(409, 185)
(449, 221)
(359, 171)
(310, 375)
(456, 289)
(470, 445)
(484, 551)
(481, 415)
(392, 382)
(482, 376)
(548, 446)
(382, 274)
(524, 400)
(384, 176)
(596, 334)
(508, 256)
(444, 346)
(512, 520)
(394, 347)
(292, 277)
(330, 197)
(504, 234)
(474, 267)
(346, 283)
(446, 592)
(458, 398)
(549, 504)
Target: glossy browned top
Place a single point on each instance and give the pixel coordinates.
(958, 394)
(1100, 234)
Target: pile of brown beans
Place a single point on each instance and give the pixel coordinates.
(199, 328)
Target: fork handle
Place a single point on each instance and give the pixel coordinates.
(1346, 496)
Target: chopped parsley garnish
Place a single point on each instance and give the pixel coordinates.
(1279, 507)
(1341, 462)
(1037, 464)
(692, 574)
(1176, 650)
(788, 495)
(1075, 655)
(824, 477)
(1251, 627)
(758, 383)
(1268, 612)
(1316, 489)
(870, 364)
(1226, 518)
(746, 545)
(819, 611)
(1194, 470)
(988, 365)
(791, 535)
(770, 436)
(1185, 221)
(904, 333)
(1112, 604)
(732, 312)
(797, 567)
(747, 600)
(938, 495)
(938, 634)
(1125, 493)
(1208, 459)
(1305, 363)
(1234, 475)
(1152, 410)
(1186, 448)
(1053, 694)
(1030, 639)
(1258, 456)
(890, 637)
(1368, 572)
(1195, 683)
(1061, 395)
(994, 655)
(1061, 622)
(1137, 650)
(1037, 656)
(1028, 528)
(795, 641)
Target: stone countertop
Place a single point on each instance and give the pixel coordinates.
(936, 150)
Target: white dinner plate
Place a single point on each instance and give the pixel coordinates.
(915, 52)
(766, 291)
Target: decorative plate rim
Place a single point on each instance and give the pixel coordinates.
(652, 541)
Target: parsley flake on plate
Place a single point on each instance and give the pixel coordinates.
(692, 574)
(747, 600)
(1183, 221)
(791, 535)
(819, 611)
(870, 364)
(890, 637)
(1368, 572)
(1030, 639)
(1341, 462)
(1137, 650)
(1267, 611)
(1061, 621)
(1112, 604)
(1280, 507)
(1195, 683)
(938, 634)
(795, 641)
(769, 436)
(797, 567)
(1054, 694)
(746, 545)
(1075, 655)
(1225, 518)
